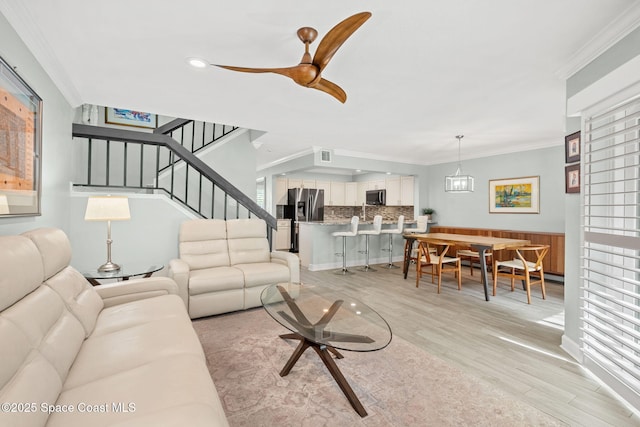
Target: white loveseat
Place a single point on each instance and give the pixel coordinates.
(122, 354)
(225, 265)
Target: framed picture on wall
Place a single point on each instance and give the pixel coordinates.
(139, 119)
(20, 145)
(572, 147)
(515, 195)
(572, 178)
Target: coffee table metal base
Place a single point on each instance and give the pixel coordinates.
(323, 352)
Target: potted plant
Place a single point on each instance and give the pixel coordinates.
(428, 212)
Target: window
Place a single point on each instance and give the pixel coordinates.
(611, 257)
(260, 191)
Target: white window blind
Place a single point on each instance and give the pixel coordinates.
(611, 258)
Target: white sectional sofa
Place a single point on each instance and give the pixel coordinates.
(122, 354)
(225, 265)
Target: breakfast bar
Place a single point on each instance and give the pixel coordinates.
(318, 248)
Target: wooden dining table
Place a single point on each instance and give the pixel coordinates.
(480, 243)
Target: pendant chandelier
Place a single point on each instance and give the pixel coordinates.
(458, 183)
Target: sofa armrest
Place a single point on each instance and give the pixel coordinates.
(179, 272)
(290, 260)
(136, 289)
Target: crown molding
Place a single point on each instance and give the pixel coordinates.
(619, 28)
(370, 156)
(18, 16)
(285, 159)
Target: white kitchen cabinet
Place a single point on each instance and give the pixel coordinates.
(294, 183)
(282, 239)
(326, 186)
(394, 194)
(376, 185)
(406, 190)
(308, 183)
(351, 194)
(281, 191)
(361, 196)
(337, 194)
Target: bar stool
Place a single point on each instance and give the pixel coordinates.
(375, 231)
(421, 227)
(391, 232)
(353, 232)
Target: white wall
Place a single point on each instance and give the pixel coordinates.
(472, 209)
(57, 165)
(151, 236)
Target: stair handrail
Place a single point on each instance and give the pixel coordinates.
(122, 135)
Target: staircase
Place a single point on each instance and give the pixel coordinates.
(165, 161)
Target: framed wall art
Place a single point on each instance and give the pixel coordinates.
(572, 178)
(139, 119)
(515, 195)
(20, 146)
(572, 147)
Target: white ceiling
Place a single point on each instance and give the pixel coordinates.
(416, 74)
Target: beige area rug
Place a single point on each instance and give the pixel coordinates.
(400, 385)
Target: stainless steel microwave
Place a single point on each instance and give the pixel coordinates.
(377, 197)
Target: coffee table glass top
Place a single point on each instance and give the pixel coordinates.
(127, 270)
(326, 317)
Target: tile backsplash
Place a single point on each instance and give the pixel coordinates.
(389, 213)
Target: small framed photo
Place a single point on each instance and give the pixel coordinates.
(139, 119)
(572, 178)
(572, 147)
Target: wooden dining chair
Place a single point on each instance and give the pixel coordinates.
(522, 269)
(474, 257)
(439, 263)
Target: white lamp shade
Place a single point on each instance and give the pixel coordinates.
(107, 208)
(4, 204)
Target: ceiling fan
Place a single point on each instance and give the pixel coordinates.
(308, 72)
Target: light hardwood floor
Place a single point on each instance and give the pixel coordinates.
(506, 342)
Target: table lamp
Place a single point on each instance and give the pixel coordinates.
(4, 204)
(107, 208)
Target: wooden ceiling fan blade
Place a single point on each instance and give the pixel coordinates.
(332, 89)
(288, 72)
(332, 41)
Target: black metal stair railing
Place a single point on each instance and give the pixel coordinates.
(125, 159)
(193, 135)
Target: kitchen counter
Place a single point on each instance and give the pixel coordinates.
(347, 222)
(318, 248)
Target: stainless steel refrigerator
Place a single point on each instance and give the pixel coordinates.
(306, 204)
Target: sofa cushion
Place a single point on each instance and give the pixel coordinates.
(76, 292)
(139, 344)
(247, 240)
(21, 267)
(169, 391)
(263, 273)
(54, 248)
(203, 243)
(215, 279)
(123, 316)
(40, 339)
(78, 295)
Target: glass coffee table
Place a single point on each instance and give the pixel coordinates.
(326, 321)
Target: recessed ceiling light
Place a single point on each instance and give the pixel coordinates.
(388, 173)
(358, 170)
(197, 62)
